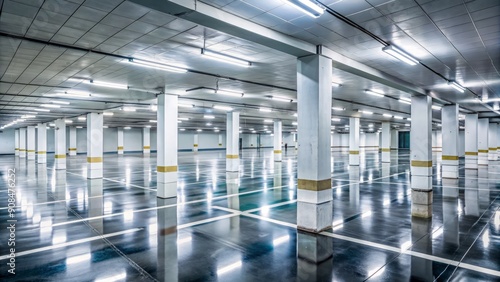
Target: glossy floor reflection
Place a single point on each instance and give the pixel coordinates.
(241, 226)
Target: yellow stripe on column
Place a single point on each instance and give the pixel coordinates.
(30, 151)
(60, 156)
(16, 149)
(354, 152)
(120, 147)
(314, 185)
(450, 158)
(72, 149)
(421, 163)
(232, 156)
(471, 153)
(386, 149)
(94, 159)
(42, 152)
(482, 151)
(22, 150)
(172, 168)
(220, 144)
(493, 149)
(277, 151)
(195, 145)
(146, 147)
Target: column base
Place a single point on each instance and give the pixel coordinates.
(353, 159)
(492, 156)
(146, 152)
(449, 171)
(421, 182)
(41, 159)
(31, 156)
(421, 203)
(386, 157)
(16, 153)
(94, 173)
(470, 162)
(277, 157)
(232, 164)
(166, 190)
(120, 152)
(72, 153)
(195, 149)
(313, 248)
(450, 192)
(22, 154)
(482, 159)
(313, 217)
(60, 163)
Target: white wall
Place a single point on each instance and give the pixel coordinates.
(7, 145)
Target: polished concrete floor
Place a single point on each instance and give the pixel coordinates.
(241, 227)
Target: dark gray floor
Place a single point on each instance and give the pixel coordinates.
(115, 229)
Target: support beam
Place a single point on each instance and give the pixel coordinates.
(146, 140)
(354, 141)
(482, 141)
(22, 142)
(421, 156)
(31, 143)
(471, 141)
(386, 142)
(449, 117)
(72, 141)
(278, 135)
(120, 140)
(314, 194)
(233, 142)
(16, 142)
(492, 142)
(94, 145)
(42, 143)
(60, 144)
(167, 146)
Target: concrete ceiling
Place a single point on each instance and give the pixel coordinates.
(45, 43)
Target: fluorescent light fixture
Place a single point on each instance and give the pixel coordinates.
(457, 86)
(28, 116)
(60, 102)
(52, 124)
(436, 107)
(208, 117)
(400, 54)
(68, 121)
(310, 7)
(50, 106)
(82, 118)
(282, 99)
(408, 118)
(208, 124)
(128, 109)
(336, 84)
(216, 130)
(265, 110)
(127, 127)
(148, 126)
(153, 120)
(79, 127)
(185, 105)
(224, 108)
(75, 93)
(398, 117)
(404, 101)
(370, 125)
(268, 120)
(42, 110)
(387, 115)
(107, 84)
(229, 93)
(19, 120)
(182, 129)
(371, 92)
(365, 112)
(253, 131)
(335, 119)
(179, 121)
(154, 108)
(199, 130)
(407, 124)
(338, 109)
(294, 123)
(157, 66)
(107, 113)
(183, 118)
(225, 58)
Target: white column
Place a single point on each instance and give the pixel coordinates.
(94, 145)
(31, 143)
(498, 141)
(232, 141)
(146, 140)
(195, 142)
(386, 142)
(421, 156)
(492, 142)
(60, 144)
(394, 139)
(482, 141)
(167, 146)
(278, 137)
(72, 141)
(16, 142)
(449, 121)
(22, 142)
(314, 194)
(295, 140)
(471, 141)
(220, 140)
(42, 143)
(120, 141)
(354, 141)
